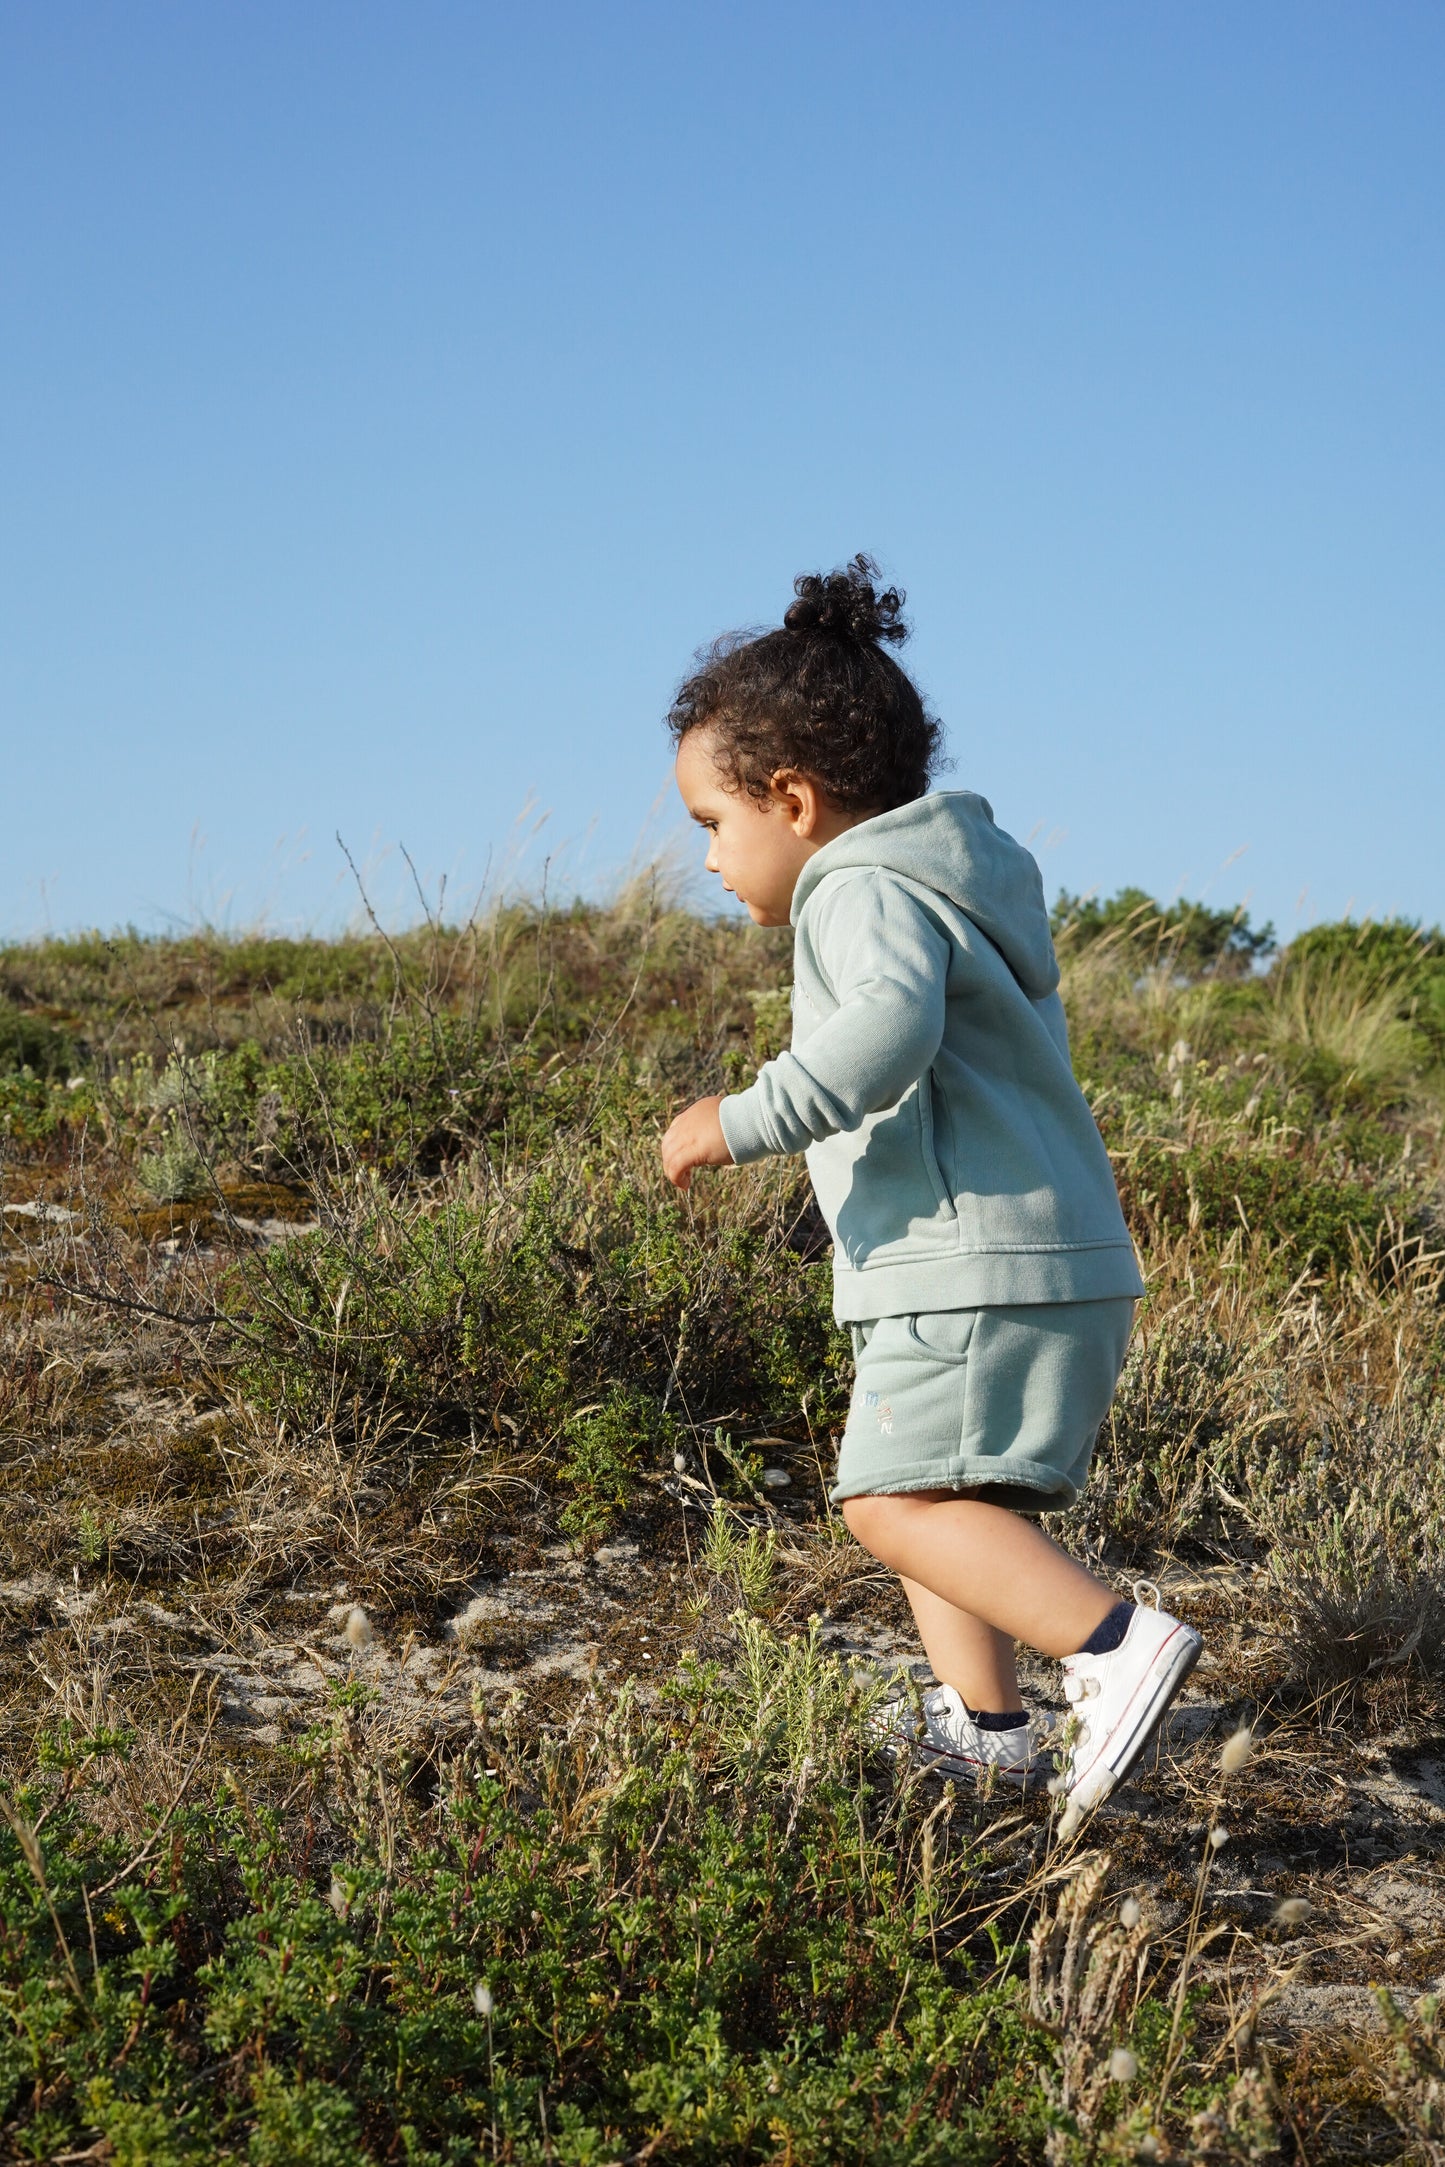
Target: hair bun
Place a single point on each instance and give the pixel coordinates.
(847, 604)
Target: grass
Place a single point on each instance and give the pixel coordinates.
(436, 1688)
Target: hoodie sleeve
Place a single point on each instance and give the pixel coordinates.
(888, 966)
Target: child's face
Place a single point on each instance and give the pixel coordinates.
(757, 850)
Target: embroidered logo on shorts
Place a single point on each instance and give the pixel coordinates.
(885, 1411)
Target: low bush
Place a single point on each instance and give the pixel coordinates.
(606, 1447)
(29, 1042)
(529, 1299)
(1188, 938)
(1356, 1561)
(1308, 1214)
(1164, 1455)
(700, 1936)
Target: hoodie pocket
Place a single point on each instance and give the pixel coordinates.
(941, 1189)
(881, 1189)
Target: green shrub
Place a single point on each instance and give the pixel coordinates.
(176, 1173)
(31, 1110)
(1380, 948)
(28, 1042)
(1164, 1455)
(553, 1290)
(1190, 938)
(1306, 1212)
(1352, 1525)
(605, 1447)
(702, 1937)
(438, 1320)
(1371, 997)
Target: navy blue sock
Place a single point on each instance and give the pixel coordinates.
(986, 1720)
(1108, 1633)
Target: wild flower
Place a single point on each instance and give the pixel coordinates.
(482, 2000)
(1123, 2068)
(1218, 1837)
(1293, 1911)
(358, 1629)
(1130, 1913)
(1236, 1751)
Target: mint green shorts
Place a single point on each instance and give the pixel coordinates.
(1006, 1402)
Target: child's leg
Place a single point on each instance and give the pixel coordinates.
(975, 1659)
(986, 1562)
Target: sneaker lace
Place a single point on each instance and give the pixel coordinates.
(1082, 1682)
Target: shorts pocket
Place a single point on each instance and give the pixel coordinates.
(943, 1334)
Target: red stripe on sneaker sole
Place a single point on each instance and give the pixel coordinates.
(935, 1757)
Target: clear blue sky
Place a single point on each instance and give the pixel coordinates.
(393, 396)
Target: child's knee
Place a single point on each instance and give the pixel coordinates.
(875, 1520)
(857, 1512)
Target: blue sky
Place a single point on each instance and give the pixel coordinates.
(393, 397)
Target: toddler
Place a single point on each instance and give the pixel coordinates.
(980, 1257)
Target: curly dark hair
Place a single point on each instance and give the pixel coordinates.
(819, 695)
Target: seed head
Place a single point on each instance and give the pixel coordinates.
(358, 1629)
(1236, 1751)
(482, 1999)
(1148, 2145)
(1293, 1911)
(1069, 1821)
(339, 1896)
(1057, 1785)
(1218, 1838)
(679, 1462)
(1122, 2066)
(1129, 1913)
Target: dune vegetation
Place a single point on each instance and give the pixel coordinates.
(436, 1688)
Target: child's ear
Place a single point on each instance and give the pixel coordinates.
(799, 797)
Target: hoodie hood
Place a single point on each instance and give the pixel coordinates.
(948, 842)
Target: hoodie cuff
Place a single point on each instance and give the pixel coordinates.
(742, 1126)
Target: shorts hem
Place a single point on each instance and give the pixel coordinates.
(1054, 1494)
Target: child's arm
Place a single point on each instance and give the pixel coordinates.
(887, 963)
(888, 966)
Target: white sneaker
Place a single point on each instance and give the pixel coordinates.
(949, 1740)
(1120, 1697)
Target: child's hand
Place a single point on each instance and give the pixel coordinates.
(694, 1139)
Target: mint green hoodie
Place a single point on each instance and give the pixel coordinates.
(953, 1155)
